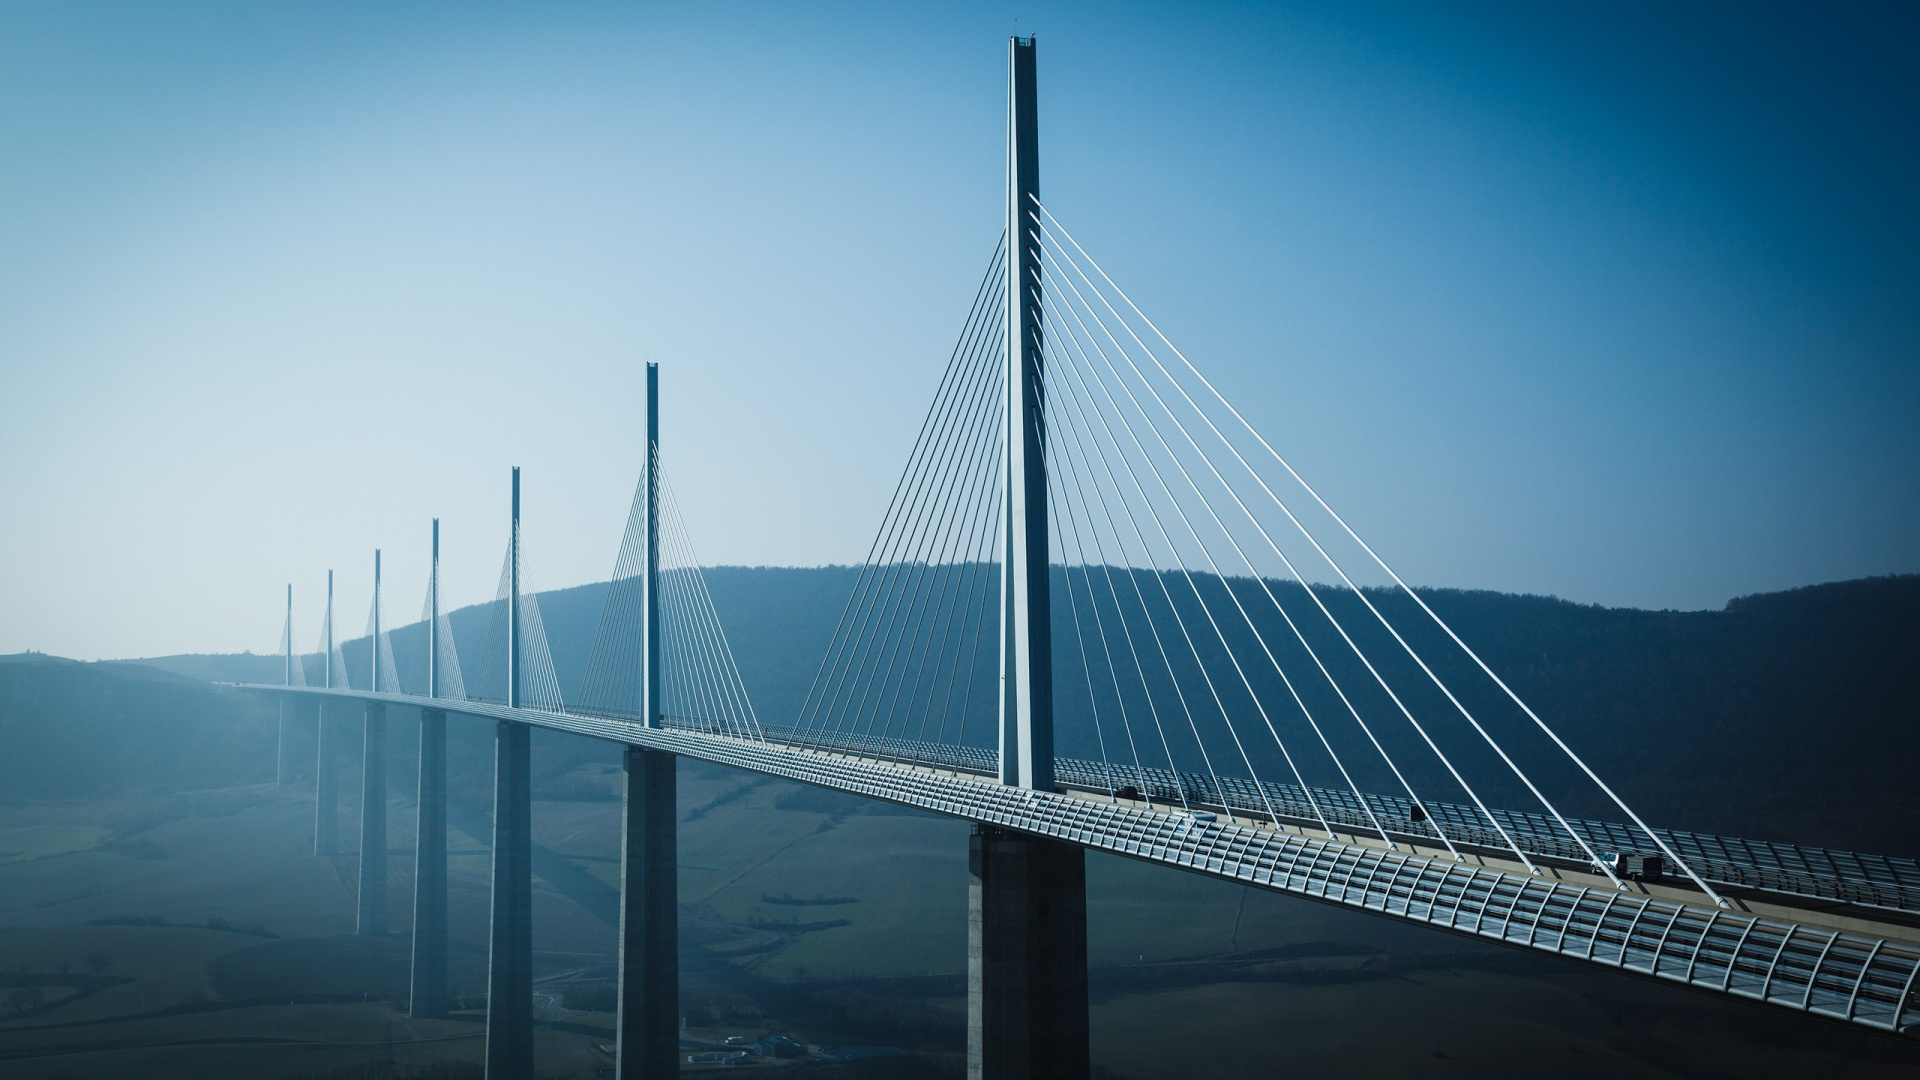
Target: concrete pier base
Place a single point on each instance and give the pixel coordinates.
(373, 824)
(326, 792)
(1026, 958)
(510, 937)
(648, 1023)
(429, 993)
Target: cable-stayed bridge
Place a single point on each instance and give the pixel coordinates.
(1101, 612)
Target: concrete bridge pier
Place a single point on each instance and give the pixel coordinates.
(1026, 958)
(428, 997)
(510, 937)
(648, 1024)
(326, 792)
(373, 824)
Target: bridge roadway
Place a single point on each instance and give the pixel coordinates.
(1799, 875)
(1850, 963)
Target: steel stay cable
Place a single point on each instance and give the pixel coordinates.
(1073, 604)
(1349, 582)
(1146, 612)
(433, 638)
(849, 639)
(889, 522)
(715, 631)
(985, 593)
(960, 370)
(674, 587)
(1365, 806)
(1099, 621)
(944, 537)
(693, 691)
(988, 540)
(1363, 659)
(1207, 610)
(715, 634)
(979, 474)
(952, 447)
(678, 636)
(1287, 681)
(993, 268)
(1486, 811)
(1080, 635)
(700, 657)
(616, 679)
(682, 692)
(1126, 631)
(698, 648)
(1219, 703)
(888, 644)
(543, 679)
(1225, 717)
(1132, 577)
(854, 643)
(610, 664)
(963, 601)
(1404, 587)
(498, 622)
(975, 517)
(1070, 368)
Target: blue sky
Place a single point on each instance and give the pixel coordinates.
(1613, 302)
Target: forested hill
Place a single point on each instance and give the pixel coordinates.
(1792, 716)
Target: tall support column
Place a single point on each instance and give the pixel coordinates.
(373, 793)
(510, 937)
(648, 1025)
(326, 782)
(429, 993)
(510, 934)
(1027, 897)
(1026, 648)
(326, 793)
(648, 1036)
(373, 824)
(1026, 958)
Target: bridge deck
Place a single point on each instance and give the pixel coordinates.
(1842, 965)
(1792, 872)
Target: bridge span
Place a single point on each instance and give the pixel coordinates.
(1090, 549)
(1848, 962)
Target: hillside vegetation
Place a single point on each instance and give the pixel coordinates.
(1785, 716)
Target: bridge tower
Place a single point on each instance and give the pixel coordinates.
(373, 793)
(428, 997)
(326, 783)
(1027, 898)
(648, 1022)
(510, 933)
(1026, 648)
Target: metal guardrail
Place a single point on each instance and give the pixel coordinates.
(1865, 880)
(1851, 978)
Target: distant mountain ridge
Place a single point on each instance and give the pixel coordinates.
(1792, 715)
